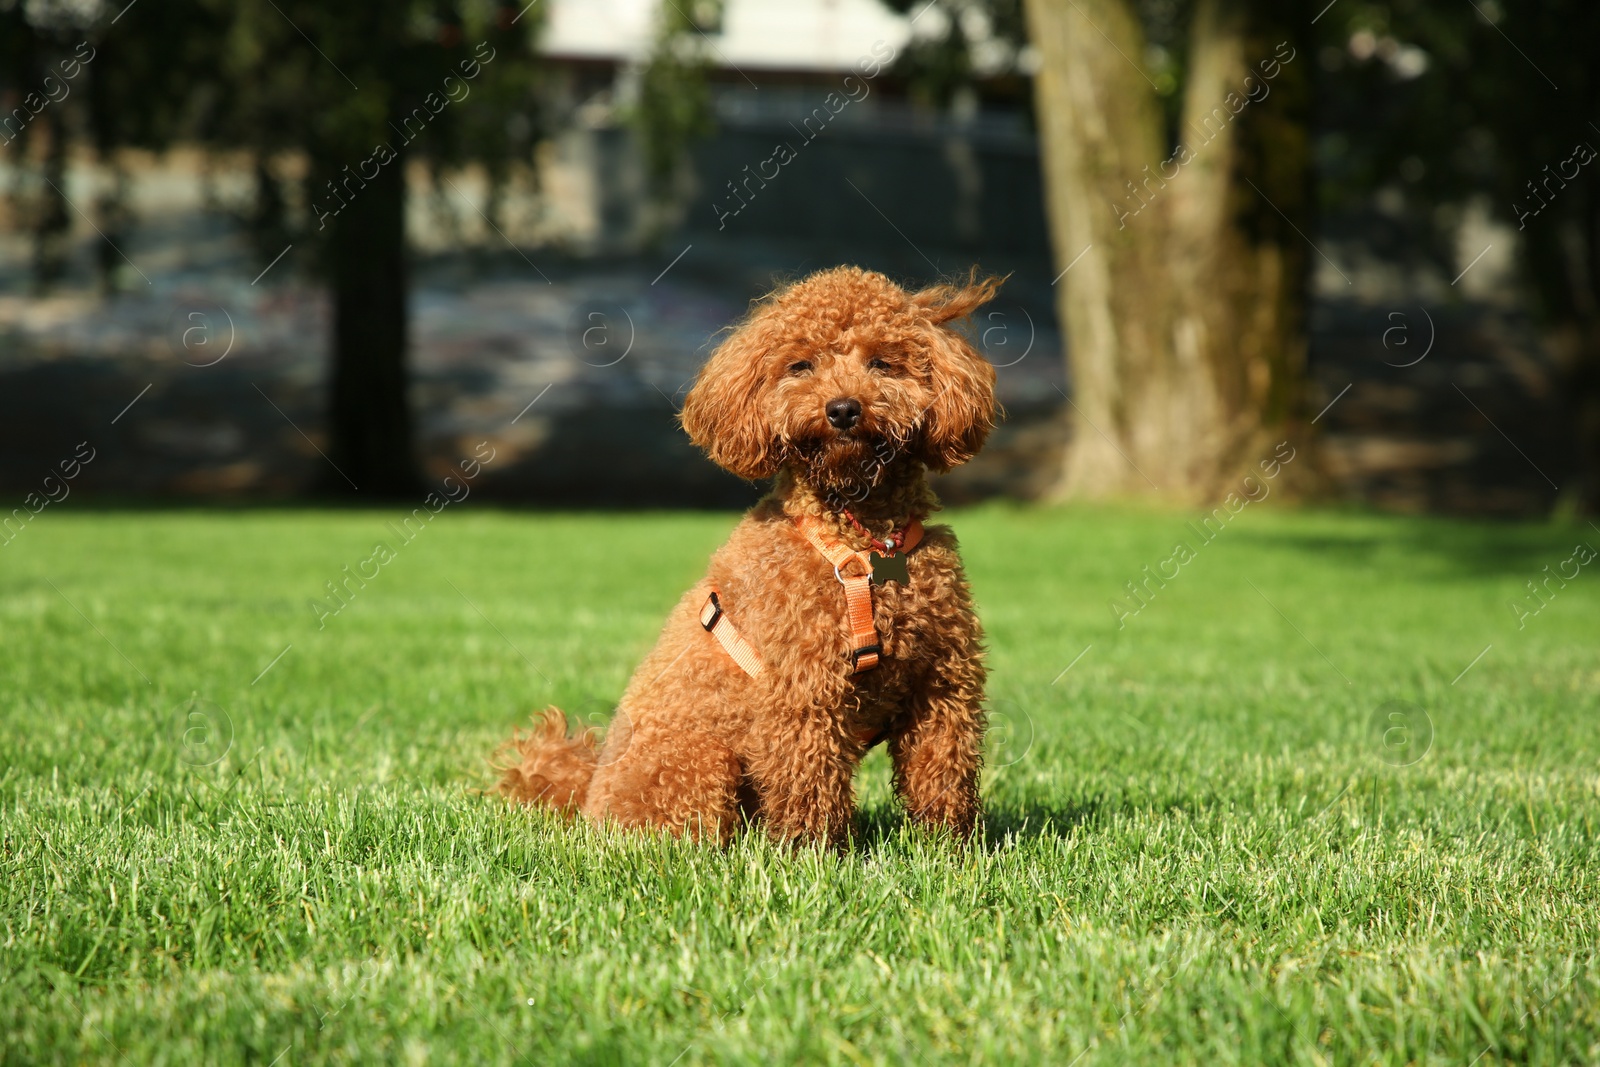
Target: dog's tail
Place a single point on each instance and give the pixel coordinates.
(547, 767)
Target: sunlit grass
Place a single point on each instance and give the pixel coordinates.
(1205, 842)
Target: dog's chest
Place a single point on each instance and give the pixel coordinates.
(904, 614)
(805, 620)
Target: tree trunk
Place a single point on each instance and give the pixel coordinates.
(1562, 257)
(1582, 367)
(1184, 315)
(1576, 344)
(52, 228)
(369, 415)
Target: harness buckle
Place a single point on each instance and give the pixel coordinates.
(857, 559)
(866, 650)
(716, 613)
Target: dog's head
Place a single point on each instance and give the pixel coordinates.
(841, 372)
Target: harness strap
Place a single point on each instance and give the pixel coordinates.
(834, 551)
(718, 625)
(866, 650)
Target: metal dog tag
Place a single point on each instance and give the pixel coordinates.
(887, 569)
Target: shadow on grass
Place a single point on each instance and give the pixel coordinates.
(1471, 548)
(884, 826)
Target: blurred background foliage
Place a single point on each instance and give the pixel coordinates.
(1430, 129)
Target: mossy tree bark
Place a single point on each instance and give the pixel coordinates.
(1185, 302)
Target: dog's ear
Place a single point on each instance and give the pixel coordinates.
(962, 412)
(723, 413)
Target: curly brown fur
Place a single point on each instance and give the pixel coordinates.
(697, 745)
(548, 767)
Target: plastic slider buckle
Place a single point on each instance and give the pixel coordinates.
(716, 613)
(872, 650)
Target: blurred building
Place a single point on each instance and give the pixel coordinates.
(817, 138)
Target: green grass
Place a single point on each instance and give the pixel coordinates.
(1197, 847)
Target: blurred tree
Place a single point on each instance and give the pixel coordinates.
(34, 118)
(357, 90)
(672, 105)
(362, 89)
(1494, 105)
(973, 49)
(1179, 226)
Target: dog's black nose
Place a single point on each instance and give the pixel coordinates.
(843, 411)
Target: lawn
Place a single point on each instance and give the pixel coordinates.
(1288, 812)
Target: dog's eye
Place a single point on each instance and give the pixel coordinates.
(799, 366)
(878, 364)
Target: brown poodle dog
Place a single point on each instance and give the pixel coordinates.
(776, 673)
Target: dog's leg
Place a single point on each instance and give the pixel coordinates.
(939, 750)
(803, 780)
(678, 781)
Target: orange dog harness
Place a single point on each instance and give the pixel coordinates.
(866, 651)
(718, 625)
